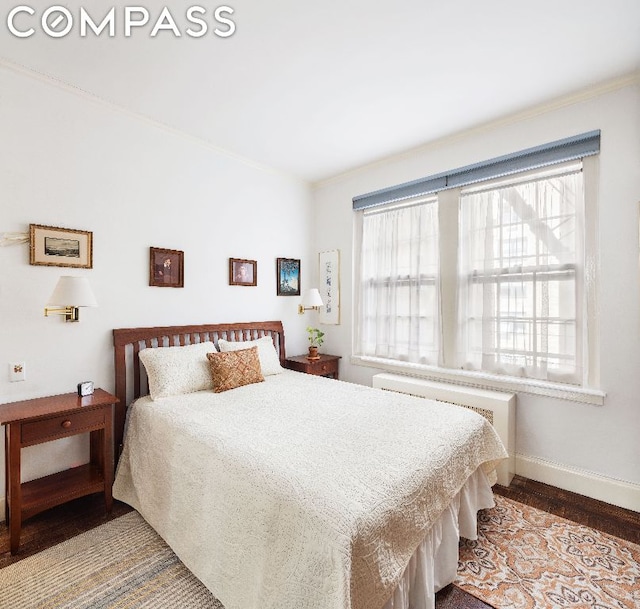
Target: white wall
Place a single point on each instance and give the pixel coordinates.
(591, 443)
(72, 161)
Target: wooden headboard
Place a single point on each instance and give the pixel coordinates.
(131, 381)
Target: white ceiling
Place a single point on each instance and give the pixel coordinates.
(317, 88)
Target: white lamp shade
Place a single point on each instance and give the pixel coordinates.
(72, 292)
(312, 298)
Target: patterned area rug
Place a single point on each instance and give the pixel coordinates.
(120, 564)
(525, 558)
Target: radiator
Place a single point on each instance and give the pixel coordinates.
(497, 407)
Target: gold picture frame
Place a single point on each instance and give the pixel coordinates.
(243, 272)
(166, 268)
(55, 246)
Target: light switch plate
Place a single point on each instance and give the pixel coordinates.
(17, 372)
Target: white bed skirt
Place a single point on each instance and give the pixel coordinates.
(435, 562)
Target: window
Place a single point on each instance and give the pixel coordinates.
(399, 283)
(486, 278)
(520, 277)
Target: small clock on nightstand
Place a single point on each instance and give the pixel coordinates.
(85, 388)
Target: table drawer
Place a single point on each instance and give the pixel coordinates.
(322, 368)
(63, 425)
(327, 368)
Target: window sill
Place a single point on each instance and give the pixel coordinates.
(484, 380)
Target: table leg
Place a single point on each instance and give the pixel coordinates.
(108, 459)
(14, 498)
(6, 475)
(101, 447)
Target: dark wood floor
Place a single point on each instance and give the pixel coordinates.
(65, 521)
(58, 524)
(598, 515)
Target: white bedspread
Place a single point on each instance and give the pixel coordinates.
(300, 492)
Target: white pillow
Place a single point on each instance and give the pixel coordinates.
(178, 370)
(269, 360)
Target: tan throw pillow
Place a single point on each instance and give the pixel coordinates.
(235, 369)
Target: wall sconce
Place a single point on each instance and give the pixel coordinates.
(311, 300)
(69, 294)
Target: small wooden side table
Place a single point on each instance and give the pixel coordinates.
(40, 420)
(326, 365)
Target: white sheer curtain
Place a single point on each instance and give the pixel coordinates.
(398, 310)
(520, 268)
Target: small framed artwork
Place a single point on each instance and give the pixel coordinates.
(54, 246)
(330, 287)
(288, 277)
(243, 272)
(166, 268)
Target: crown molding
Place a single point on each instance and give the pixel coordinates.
(57, 83)
(576, 97)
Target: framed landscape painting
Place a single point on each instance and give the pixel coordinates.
(288, 277)
(54, 246)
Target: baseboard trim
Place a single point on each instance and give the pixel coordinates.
(616, 492)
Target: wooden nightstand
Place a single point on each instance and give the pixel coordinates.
(41, 420)
(326, 365)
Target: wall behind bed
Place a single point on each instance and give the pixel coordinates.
(74, 161)
(593, 450)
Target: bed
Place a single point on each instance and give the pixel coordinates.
(294, 491)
